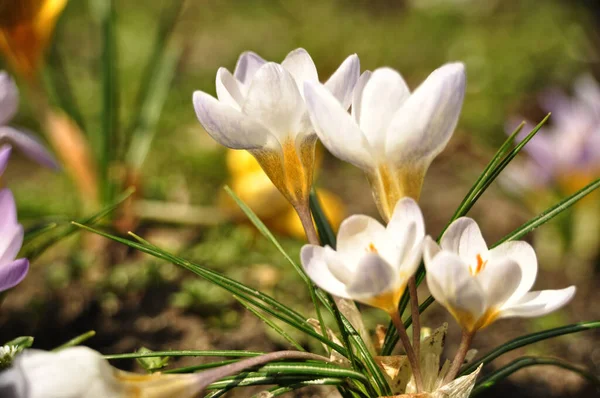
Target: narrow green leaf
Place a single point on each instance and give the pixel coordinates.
(253, 296)
(186, 353)
(271, 324)
(550, 213)
(33, 252)
(530, 339)
(490, 380)
(256, 379)
(151, 108)
(76, 340)
(108, 140)
(204, 366)
(326, 234)
(38, 230)
(267, 234)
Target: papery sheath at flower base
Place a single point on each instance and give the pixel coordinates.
(392, 135)
(261, 108)
(12, 270)
(372, 263)
(80, 372)
(478, 285)
(11, 136)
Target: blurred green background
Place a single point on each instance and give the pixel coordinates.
(513, 51)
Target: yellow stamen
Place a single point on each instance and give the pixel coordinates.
(371, 248)
(479, 267)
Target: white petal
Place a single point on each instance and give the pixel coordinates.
(407, 211)
(356, 234)
(374, 276)
(313, 261)
(464, 238)
(247, 65)
(228, 90)
(343, 80)
(499, 280)
(336, 128)
(301, 67)
(425, 122)
(382, 97)
(229, 126)
(451, 284)
(273, 99)
(357, 95)
(430, 249)
(539, 303)
(524, 255)
(9, 98)
(72, 372)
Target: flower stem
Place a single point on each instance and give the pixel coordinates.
(414, 309)
(412, 358)
(465, 343)
(303, 211)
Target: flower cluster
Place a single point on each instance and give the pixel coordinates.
(277, 111)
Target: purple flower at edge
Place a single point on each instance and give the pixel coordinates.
(19, 138)
(12, 270)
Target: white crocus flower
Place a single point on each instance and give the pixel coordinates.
(80, 372)
(372, 263)
(479, 285)
(392, 135)
(261, 108)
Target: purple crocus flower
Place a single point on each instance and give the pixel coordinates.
(20, 138)
(567, 150)
(12, 271)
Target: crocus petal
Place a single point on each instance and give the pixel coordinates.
(13, 273)
(336, 128)
(382, 96)
(342, 81)
(538, 303)
(357, 94)
(356, 234)
(373, 277)
(405, 212)
(425, 122)
(11, 232)
(301, 66)
(9, 98)
(247, 65)
(499, 279)
(523, 254)
(51, 375)
(5, 151)
(451, 284)
(274, 99)
(313, 261)
(228, 126)
(29, 145)
(228, 89)
(430, 249)
(464, 238)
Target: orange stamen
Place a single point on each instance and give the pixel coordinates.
(480, 266)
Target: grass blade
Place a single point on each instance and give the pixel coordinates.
(186, 353)
(76, 340)
(530, 339)
(145, 127)
(253, 296)
(550, 213)
(326, 234)
(523, 362)
(271, 324)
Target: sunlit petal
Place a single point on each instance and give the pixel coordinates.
(301, 66)
(357, 95)
(313, 261)
(499, 279)
(423, 125)
(336, 128)
(538, 303)
(11, 274)
(228, 90)
(464, 238)
(523, 254)
(344, 79)
(247, 65)
(229, 126)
